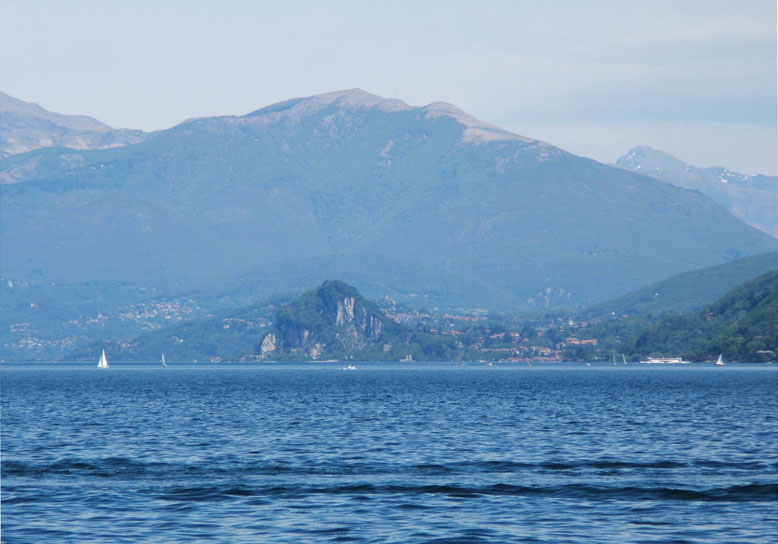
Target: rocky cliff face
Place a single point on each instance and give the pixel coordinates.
(356, 317)
(332, 321)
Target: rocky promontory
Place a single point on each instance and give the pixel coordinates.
(334, 321)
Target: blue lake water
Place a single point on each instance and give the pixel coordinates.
(389, 453)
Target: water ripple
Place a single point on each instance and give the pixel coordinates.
(395, 454)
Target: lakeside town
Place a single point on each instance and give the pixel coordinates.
(192, 329)
(481, 334)
(503, 339)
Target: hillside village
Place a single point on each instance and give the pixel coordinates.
(485, 337)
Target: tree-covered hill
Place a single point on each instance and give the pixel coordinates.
(688, 291)
(334, 321)
(742, 326)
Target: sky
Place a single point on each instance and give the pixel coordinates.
(696, 79)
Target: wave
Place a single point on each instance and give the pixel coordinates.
(589, 464)
(102, 468)
(756, 492)
(500, 466)
(122, 466)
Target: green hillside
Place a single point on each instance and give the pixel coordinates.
(688, 291)
(229, 335)
(349, 174)
(742, 326)
(335, 322)
(238, 334)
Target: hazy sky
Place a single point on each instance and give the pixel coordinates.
(694, 78)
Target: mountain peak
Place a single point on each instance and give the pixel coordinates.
(749, 198)
(647, 160)
(476, 131)
(358, 98)
(297, 108)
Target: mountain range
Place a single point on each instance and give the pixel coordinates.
(753, 199)
(427, 202)
(25, 126)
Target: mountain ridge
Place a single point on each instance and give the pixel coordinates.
(27, 126)
(476, 131)
(753, 199)
(688, 291)
(213, 196)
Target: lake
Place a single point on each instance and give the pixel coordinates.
(389, 453)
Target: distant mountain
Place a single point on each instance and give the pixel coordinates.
(688, 291)
(742, 326)
(349, 177)
(25, 126)
(334, 321)
(754, 199)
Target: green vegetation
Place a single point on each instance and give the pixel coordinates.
(335, 322)
(316, 311)
(743, 326)
(740, 325)
(685, 292)
(228, 336)
(515, 220)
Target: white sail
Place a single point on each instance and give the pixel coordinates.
(720, 361)
(103, 361)
(163, 360)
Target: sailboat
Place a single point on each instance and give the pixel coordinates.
(614, 358)
(163, 361)
(103, 361)
(624, 359)
(720, 361)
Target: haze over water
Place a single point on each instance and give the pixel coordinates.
(390, 453)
